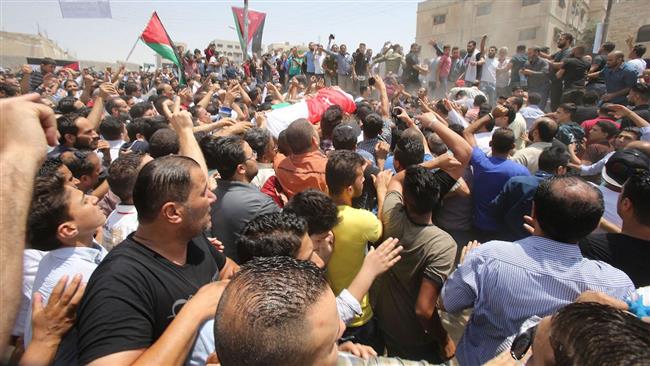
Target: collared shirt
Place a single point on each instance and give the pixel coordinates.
(237, 203)
(529, 156)
(31, 259)
(597, 167)
(119, 224)
(618, 79)
(531, 113)
(297, 173)
(508, 282)
(538, 81)
(56, 264)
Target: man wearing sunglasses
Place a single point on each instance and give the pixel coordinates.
(508, 282)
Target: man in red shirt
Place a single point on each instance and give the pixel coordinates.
(444, 67)
(603, 115)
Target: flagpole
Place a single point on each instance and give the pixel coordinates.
(245, 50)
(132, 49)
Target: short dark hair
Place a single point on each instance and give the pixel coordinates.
(421, 190)
(569, 108)
(591, 333)
(270, 235)
(608, 46)
(518, 101)
(643, 90)
(136, 127)
(479, 100)
(66, 105)
(111, 128)
(332, 116)
(154, 125)
(409, 149)
(258, 139)
(639, 50)
(67, 125)
(547, 129)
(568, 37)
(553, 157)
(277, 293)
(316, 208)
(503, 140)
(633, 130)
(48, 61)
(139, 109)
(341, 170)
(78, 162)
(567, 208)
(472, 42)
(50, 166)
(162, 180)
(164, 142)
(130, 88)
(299, 135)
(223, 153)
(372, 125)
(110, 104)
(344, 137)
(608, 127)
(521, 48)
(637, 189)
(534, 98)
(49, 209)
(122, 174)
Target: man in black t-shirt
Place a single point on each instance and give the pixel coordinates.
(598, 64)
(564, 44)
(412, 69)
(628, 251)
(146, 301)
(573, 74)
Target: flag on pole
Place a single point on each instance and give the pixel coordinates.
(256, 21)
(156, 37)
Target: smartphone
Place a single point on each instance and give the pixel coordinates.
(371, 81)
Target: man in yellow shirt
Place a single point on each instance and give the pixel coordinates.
(357, 227)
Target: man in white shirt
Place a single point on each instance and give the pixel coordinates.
(63, 220)
(121, 179)
(489, 75)
(636, 56)
(113, 131)
(531, 111)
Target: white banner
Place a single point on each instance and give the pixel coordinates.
(85, 9)
(598, 37)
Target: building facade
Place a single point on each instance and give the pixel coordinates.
(630, 17)
(230, 49)
(506, 22)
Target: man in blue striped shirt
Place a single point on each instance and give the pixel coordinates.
(508, 282)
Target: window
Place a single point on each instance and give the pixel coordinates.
(529, 2)
(229, 46)
(527, 34)
(561, 4)
(219, 45)
(483, 9)
(439, 19)
(644, 34)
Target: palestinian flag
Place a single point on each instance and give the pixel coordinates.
(156, 37)
(256, 22)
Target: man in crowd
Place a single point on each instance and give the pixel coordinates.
(517, 63)
(237, 200)
(598, 63)
(532, 276)
(619, 78)
(413, 69)
(628, 250)
(639, 99)
(542, 133)
(537, 71)
(555, 63)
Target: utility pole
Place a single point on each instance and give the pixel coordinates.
(608, 11)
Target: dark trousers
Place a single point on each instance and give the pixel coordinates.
(556, 94)
(367, 334)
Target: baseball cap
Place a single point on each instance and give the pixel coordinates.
(623, 164)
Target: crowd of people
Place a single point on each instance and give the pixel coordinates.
(325, 208)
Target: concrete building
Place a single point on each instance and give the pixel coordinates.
(506, 22)
(630, 17)
(285, 47)
(15, 48)
(230, 49)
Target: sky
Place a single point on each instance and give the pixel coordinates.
(198, 22)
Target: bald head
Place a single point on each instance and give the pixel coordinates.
(566, 209)
(300, 135)
(615, 59)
